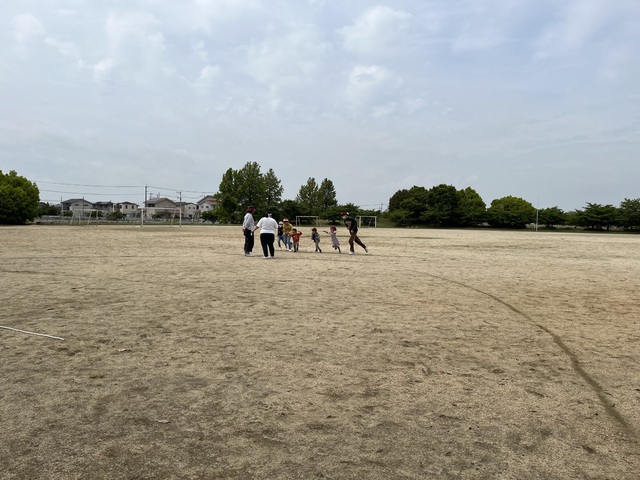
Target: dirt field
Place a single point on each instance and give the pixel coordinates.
(440, 355)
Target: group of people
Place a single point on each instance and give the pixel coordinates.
(289, 236)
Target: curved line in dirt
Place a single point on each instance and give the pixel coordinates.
(593, 383)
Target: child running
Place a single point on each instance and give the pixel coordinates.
(335, 243)
(295, 238)
(315, 236)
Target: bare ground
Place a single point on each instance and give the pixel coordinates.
(441, 354)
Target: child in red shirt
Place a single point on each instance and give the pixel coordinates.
(295, 238)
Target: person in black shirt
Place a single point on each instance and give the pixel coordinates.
(352, 226)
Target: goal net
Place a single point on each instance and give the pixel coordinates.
(367, 221)
(308, 220)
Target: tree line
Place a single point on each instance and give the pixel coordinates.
(445, 206)
(248, 186)
(439, 206)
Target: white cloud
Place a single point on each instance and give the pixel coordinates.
(289, 54)
(199, 50)
(206, 78)
(102, 69)
(377, 31)
(372, 88)
(122, 29)
(66, 48)
(26, 27)
(582, 22)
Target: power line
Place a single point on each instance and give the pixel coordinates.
(89, 193)
(200, 192)
(97, 186)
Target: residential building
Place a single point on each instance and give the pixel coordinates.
(161, 207)
(129, 209)
(78, 206)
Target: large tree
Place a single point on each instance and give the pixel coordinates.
(630, 213)
(552, 216)
(327, 195)
(442, 206)
(19, 199)
(597, 217)
(408, 207)
(247, 187)
(397, 198)
(511, 212)
(472, 209)
(251, 186)
(272, 189)
(228, 209)
(309, 197)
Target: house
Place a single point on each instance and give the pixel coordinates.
(207, 203)
(105, 207)
(161, 207)
(189, 210)
(129, 209)
(78, 206)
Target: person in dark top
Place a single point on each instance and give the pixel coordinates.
(248, 225)
(315, 236)
(352, 226)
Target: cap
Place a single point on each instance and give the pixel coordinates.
(285, 219)
(344, 213)
(250, 208)
(314, 229)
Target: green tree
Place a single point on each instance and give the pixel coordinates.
(397, 198)
(19, 199)
(117, 215)
(472, 209)
(510, 212)
(239, 189)
(327, 195)
(309, 197)
(251, 187)
(209, 216)
(289, 209)
(411, 207)
(272, 189)
(552, 216)
(47, 209)
(228, 209)
(597, 217)
(630, 214)
(442, 206)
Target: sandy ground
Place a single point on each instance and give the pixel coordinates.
(441, 354)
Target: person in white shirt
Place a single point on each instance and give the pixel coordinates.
(248, 226)
(268, 228)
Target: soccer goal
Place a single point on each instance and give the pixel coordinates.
(367, 221)
(162, 214)
(312, 219)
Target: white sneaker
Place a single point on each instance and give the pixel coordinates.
(366, 250)
(266, 258)
(248, 254)
(351, 253)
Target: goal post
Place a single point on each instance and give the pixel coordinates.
(367, 221)
(314, 219)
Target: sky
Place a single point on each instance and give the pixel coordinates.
(535, 99)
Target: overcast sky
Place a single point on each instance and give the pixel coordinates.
(536, 99)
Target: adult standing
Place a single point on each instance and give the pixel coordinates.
(248, 226)
(352, 226)
(268, 228)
